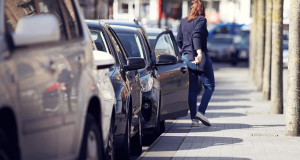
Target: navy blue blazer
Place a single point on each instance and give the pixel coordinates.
(192, 36)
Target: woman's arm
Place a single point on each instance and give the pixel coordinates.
(199, 57)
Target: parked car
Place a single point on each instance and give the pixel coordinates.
(285, 54)
(221, 47)
(127, 87)
(168, 73)
(50, 105)
(241, 51)
(224, 28)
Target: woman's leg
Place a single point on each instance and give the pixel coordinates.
(193, 92)
(208, 80)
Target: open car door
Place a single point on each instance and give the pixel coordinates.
(173, 77)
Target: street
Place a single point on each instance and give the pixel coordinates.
(242, 127)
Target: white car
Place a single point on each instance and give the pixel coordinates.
(51, 105)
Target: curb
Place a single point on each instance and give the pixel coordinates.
(156, 141)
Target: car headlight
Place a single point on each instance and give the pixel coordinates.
(146, 82)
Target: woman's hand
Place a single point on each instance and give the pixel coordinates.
(199, 57)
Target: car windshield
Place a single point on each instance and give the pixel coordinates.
(285, 46)
(132, 44)
(152, 38)
(221, 40)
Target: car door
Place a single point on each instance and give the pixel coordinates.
(173, 78)
(40, 95)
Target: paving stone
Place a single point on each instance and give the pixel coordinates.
(242, 127)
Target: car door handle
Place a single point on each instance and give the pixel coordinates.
(183, 70)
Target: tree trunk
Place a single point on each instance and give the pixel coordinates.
(293, 94)
(261, 43)
(252, 49)
(268, 51)
(276, 69)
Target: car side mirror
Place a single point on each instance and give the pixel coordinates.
(166, 59)
(103, 60)
(36, 29)
(135, 63)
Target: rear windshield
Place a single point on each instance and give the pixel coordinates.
(132, 44)
(221, 40)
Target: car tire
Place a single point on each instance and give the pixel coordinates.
(160, 125)
(136, 141)
(92, 138)
(110, 152)
(126, 143)
(8, 151)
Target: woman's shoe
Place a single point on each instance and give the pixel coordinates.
(195, 123)
(203, 119)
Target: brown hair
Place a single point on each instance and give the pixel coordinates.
(197, 9)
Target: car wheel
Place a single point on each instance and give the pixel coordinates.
(7, 150)
(136, 141)
(111, 147)
(126, 144)
(92, 144)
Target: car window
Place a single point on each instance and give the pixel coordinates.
(98, 38)
(17, 9)
(164, 45)
(132, 44)
(71, 18)
(220, 40)
(117, 46)
(221, 30)
(152, 38)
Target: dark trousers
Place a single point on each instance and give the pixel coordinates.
(208, 80)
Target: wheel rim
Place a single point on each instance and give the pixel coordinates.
(110, 145)
(3, 155)
(92, 147)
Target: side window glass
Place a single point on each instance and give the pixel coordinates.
(117, 47)
(52, 7)
(17, 9)
(71, 18)
(164, 45)
(98, 38)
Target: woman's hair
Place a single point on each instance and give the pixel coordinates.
(197, 9)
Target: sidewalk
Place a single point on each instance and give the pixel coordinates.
(241, 127)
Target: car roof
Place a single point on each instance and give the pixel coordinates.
(126, 29)
(133, 23)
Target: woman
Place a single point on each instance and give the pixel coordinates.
(192, 40)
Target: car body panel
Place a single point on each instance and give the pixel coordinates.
(126, 84)
(49, 104)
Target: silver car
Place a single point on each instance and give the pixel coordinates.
(51, 106)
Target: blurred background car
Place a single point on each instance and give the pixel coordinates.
(128, 91)
(52, 108)
(285, 54)
(224, 28)
(221, 47)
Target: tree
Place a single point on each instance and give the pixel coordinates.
(276, 66)
(252, 49)
(268, 51)
(260, 43)
(293, 94)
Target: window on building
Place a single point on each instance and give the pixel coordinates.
(124, 8)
